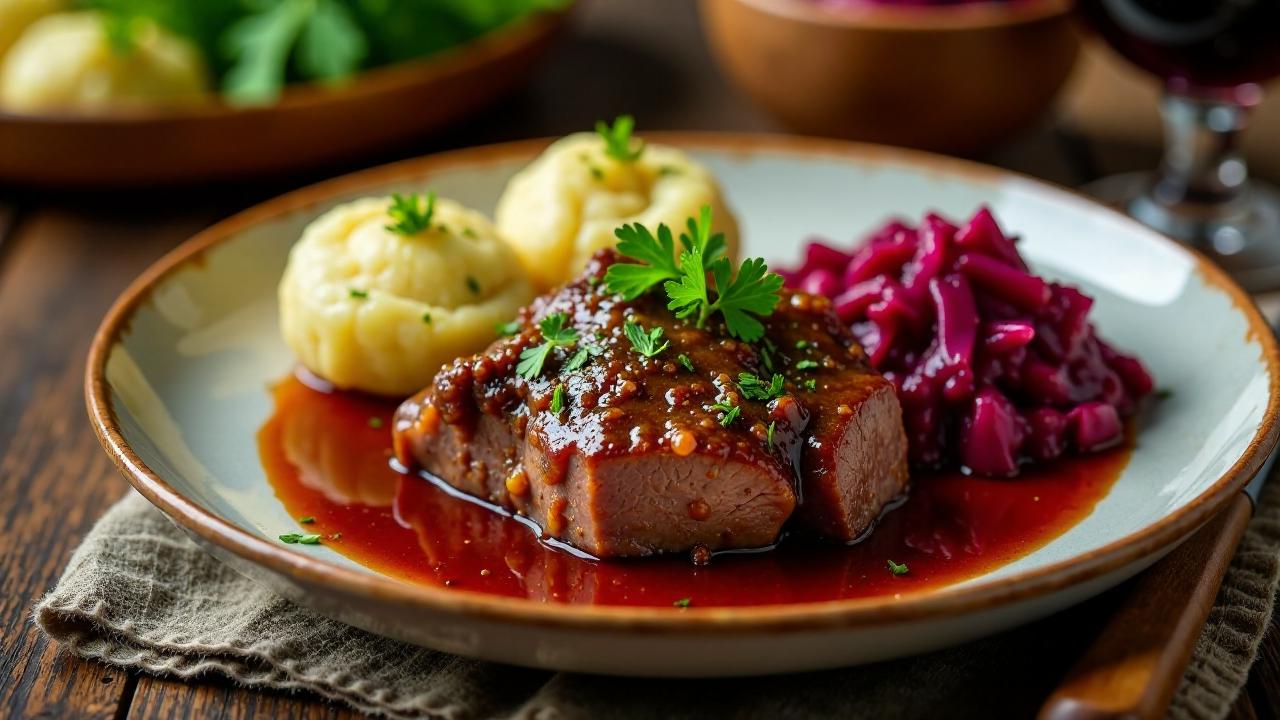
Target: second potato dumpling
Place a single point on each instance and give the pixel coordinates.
(379, 294)
(566, 204)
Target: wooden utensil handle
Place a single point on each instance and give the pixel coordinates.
(1136, 663)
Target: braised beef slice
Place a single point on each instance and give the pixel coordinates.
(639, 460)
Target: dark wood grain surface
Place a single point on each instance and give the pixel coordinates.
(63, 259)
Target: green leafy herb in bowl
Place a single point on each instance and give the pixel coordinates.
(249, 50)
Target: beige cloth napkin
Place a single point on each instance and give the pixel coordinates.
(138, 594)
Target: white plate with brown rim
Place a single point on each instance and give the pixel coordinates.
(179, 377)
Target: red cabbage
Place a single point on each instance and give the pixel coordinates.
(995, 367)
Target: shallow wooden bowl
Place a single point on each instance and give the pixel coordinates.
(311, 126)
(956, 79)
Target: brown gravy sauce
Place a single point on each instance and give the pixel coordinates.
(327, 456)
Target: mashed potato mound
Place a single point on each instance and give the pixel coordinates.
(67, 62)
(17, 15)
(567, 203)
(369, 309)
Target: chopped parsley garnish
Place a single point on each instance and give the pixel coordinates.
(468, 232)
(685, 362)
(554, 334)
(557, 400)
(806, 364)
(300, 539)
(508, 329)
(898, 568)
(682, 602)
(667, 170)
(766, 355)
(811, 385)
(738, 298)
(411, 214)
(731, 413)
(756, 389)
(596, 172)
(772, 426)
(358, 294)
(802, 344)
(579, 358)
(375, 422)
(426, 318)
(306, 520)
(473, 285)
(648, 343)
(618, 143)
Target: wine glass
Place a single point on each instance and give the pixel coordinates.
(1211, 56)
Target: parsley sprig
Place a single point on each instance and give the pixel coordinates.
(580, 358)
(411, 214)
(731, 413)
(739, 298)
(555, 333)
(755, 388)
(648, 344)
(618, 143)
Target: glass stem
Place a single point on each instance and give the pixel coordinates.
(1203, 172)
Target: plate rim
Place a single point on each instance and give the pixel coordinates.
(860, 612)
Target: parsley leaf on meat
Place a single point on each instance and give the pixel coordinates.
(617, 139)
(753, 291)
(300, 539)
(645, 343)
(898, 568)
(756, 389)
(557, 400)
(508, 329)
(806, 364)
(685, 362)
(554, 334)
(700, 237)
(731, 413)
(656, 258)
(579, 358)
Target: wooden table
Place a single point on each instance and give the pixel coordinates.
(64, 257)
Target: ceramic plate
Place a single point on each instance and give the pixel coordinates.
(179, 373)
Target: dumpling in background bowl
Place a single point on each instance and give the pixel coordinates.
(380, 293)
(17, 15)
(566, 204)
(84, 61)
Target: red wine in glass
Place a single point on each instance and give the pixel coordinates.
(1211, 55)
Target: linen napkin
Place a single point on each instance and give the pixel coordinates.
(138, 594)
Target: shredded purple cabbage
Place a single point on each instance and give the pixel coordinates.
(995, 367)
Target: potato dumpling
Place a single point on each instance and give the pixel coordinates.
(16, 15)
(567, 203)
(68, 62)
(371, 309)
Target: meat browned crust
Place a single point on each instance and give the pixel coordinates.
(643, 457)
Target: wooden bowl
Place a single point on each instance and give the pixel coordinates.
(956, 79)
(310, 126)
